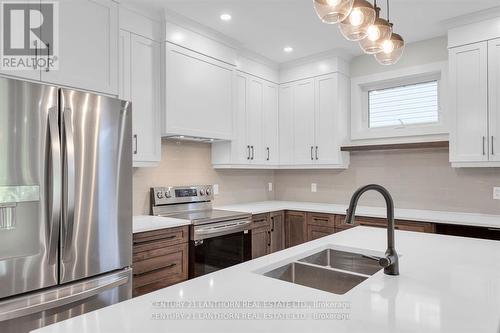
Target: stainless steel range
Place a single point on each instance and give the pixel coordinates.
(218, 238)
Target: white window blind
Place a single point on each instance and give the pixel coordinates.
(405, 105)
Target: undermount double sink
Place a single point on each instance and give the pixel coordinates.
(330, 270)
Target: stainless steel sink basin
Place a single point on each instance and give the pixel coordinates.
(329, 270)
(347, 261)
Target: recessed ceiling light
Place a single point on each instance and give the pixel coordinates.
(225, 17)
(288, 49)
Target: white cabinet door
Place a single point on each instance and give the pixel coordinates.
(240, 148)
(469, 101)
(494, 96)
(145, 96)
(254, 120)
(140, 83)
(198, 95)
(88, 46)
(270, 123)
(303, 109)
(285, 119)
(327, 147)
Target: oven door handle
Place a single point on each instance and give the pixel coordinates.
(219, 230)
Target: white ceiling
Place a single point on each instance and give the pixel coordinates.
(266, 26)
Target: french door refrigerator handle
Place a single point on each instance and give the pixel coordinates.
(55, 180)
(31, 304)
(69, 181)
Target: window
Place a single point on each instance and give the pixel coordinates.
(404, 105)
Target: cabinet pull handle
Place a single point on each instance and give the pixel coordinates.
(47, 69)
(484, 151)
(492, 149)
(312, 148)
(135, 144)
(248, 152)
(35, 66)
(157, 269)
(272, 224)
(316, 152)
(252, 152)
(268, 153)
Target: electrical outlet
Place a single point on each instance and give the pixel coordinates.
(216, 189)
(496, 193)
(270, 187)
(314, 187)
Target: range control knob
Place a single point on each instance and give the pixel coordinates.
(208, 191)
(202, 192)
(159, 195)
(167, 194)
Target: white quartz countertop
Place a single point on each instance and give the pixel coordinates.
(473, 219)
(143, 223)
(446, 284)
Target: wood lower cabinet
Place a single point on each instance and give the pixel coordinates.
(277, 231)
(160, 259)
(268, 233)
(427, 227)
(295, 228)
(261, 242)
(319, 225)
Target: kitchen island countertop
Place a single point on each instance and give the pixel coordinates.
(447, 284)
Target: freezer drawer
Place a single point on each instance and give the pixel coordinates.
(25, 313)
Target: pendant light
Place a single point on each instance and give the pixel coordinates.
(376, 34)
(333, 11)
(354, 27)
(392, 49)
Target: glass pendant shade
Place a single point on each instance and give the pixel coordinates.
(332, 11)
(392, 50)
(376, 34)
(354, 27)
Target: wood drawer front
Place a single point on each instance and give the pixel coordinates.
(320, 219)
(149, 240)
(315, 232)
(161, 266)
(382, 223)
(261, 220)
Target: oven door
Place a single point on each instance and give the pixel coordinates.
(219, 245)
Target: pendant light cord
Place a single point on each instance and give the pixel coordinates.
(388, 17)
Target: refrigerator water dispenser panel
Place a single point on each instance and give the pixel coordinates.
(10, 196)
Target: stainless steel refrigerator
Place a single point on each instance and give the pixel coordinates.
(65, 203)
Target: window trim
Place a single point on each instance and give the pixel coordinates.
(360, 87)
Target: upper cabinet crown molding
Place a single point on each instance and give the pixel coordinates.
(474, 32)
(196, 42)
(140, 24)
(316, 66)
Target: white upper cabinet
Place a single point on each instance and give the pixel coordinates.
(494, 96)
(198, 95)
(140, 83)
(88, 46)
(303, 129)
(270, 123)
(312, 122)
(255, 139)
(474, 60)
(474, 76)
(285, 124)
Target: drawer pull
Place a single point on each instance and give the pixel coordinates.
(156, 240)
(158, 269)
